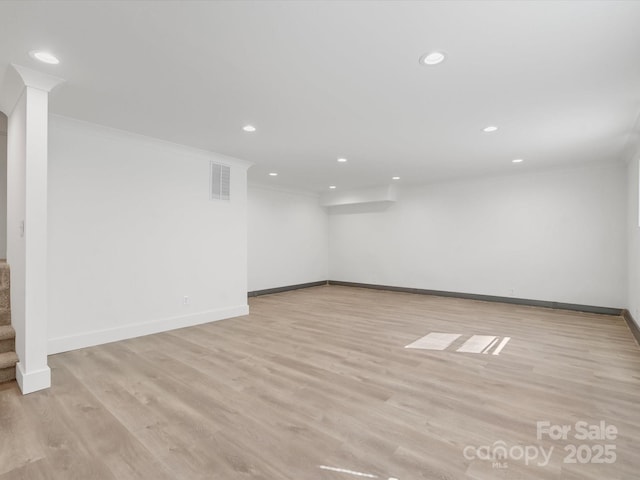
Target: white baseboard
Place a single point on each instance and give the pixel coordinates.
(98, 337)
(32, 381)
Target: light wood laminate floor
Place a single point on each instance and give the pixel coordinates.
(320, 378)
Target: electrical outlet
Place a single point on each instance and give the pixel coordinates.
(512, 291)
(185, 300)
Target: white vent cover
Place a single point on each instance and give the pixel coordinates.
(220, 181)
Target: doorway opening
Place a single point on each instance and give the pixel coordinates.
(3, 186)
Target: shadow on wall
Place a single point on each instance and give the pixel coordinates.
(371, 207)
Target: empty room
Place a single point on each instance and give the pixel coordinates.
(319, 240)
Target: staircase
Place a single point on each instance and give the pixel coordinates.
(8, 357)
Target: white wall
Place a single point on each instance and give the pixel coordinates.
(633, 240)
(554, 236)
(3, 186)
(132, 231)
(288, 238)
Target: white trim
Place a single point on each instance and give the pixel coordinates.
(32, 381)
(98, 337)
(17, 79)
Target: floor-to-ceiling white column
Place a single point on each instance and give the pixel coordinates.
(25, 98)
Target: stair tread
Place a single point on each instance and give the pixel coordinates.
(8, 359)
(7, 332)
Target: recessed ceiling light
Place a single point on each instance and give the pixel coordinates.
(332, 187)
(342, 160)
(273, 174)
(432, 58)
(45, 57)
(517, 160)
(490, 128)
(395, 178)
(249, 128)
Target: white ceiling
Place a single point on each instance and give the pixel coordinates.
(326, 79)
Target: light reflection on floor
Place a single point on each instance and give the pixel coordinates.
(351, 472)
(474, 344)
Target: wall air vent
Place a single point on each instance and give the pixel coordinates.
(220, 181)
